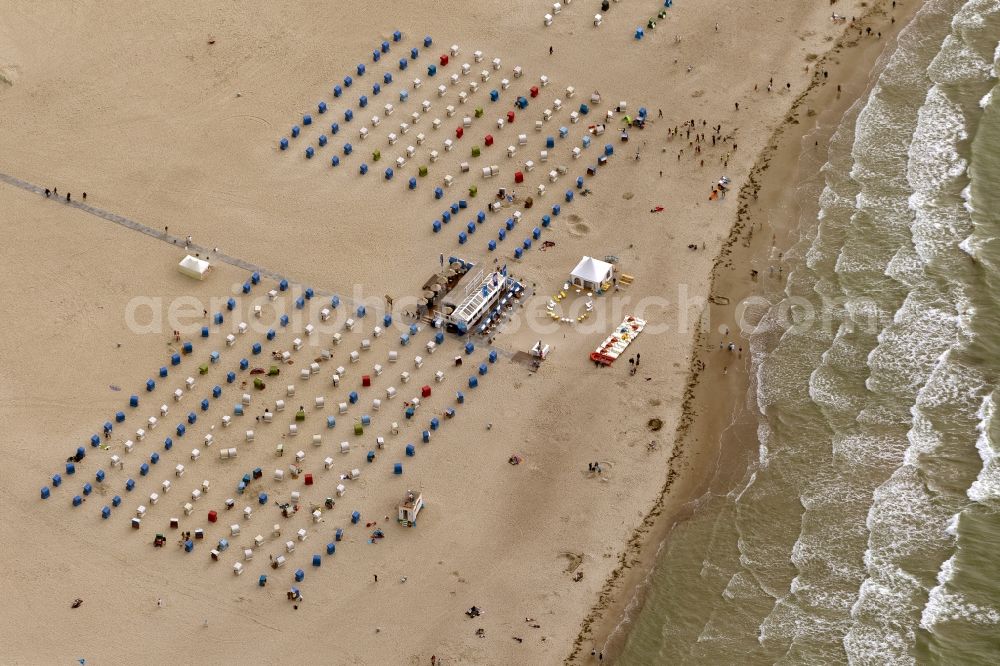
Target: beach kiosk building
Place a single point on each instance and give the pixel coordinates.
(475, 294)
(593, 274)
(410, 508)
(194, 267)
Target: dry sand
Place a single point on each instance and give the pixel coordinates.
(133, 105)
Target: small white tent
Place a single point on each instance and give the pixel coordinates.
(590, 273)
(194, 267)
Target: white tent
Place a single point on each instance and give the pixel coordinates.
(194, 267)
(590, 273)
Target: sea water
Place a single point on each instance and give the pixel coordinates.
(866, 528)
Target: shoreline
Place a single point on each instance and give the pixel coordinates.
(623, 593)
(536, 540)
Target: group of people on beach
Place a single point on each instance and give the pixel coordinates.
(54, 192)
(633, 363)
(700, 140)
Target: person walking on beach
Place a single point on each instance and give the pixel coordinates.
(550, 50)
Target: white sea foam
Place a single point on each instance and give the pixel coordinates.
(762, 455)
(931, 612)
(827, 487)
(973, 14)
(881, 415)
(923, 439)
(740, 585)
(869, 313)
(906, 267)
(847, 352)
(958, 387)
(825, 389)
(986, 99)
(875, 638)
(952, 529)
(778, 380)
(944, 605)
(736, 494)
(868, 449)
(986, 487)
(905, 521)
(972, 245)
(788, 623)
(967, 198)
(901, 510)
(933, 156)
(857, 257)
(958, 63)
(939, 221)
(909, 348)
(899, 523)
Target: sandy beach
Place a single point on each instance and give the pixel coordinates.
(172, 119)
